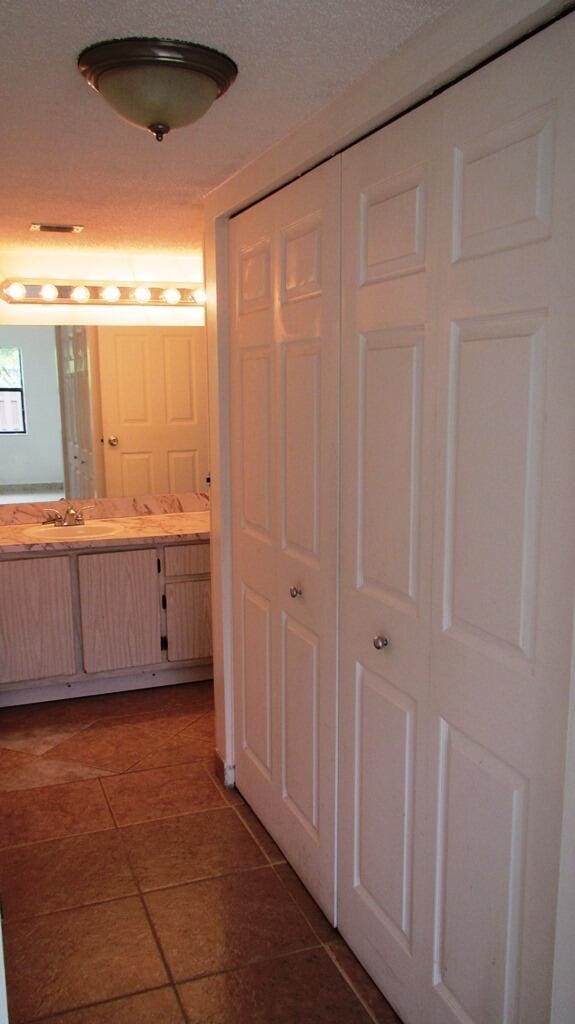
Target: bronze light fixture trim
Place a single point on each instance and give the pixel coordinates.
(157, 84)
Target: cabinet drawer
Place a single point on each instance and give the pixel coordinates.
(187, 559)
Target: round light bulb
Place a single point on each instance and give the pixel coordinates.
(111, 293)
(172, 296)
(16, 290)
(49, 292)
(142, 294)
(199, 296)
(80, 293)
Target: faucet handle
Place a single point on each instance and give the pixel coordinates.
(53, 515)
(80, 513)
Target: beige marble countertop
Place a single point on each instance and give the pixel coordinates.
(129, 532)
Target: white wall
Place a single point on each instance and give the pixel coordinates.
(36, 456)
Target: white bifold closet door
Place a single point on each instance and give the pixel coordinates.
(458, 376)
(284, 366)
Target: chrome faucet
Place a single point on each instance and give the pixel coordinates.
(71, 517)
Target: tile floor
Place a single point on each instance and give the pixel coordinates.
(137, 890)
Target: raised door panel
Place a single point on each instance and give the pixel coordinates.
(120, 609)
(301, 407)
(384, 734)
(502, 189)
(481, 837)
(189, 621)
(256, 441)
(256, 681)
(389, 450)
(36, 627)
(254, 278)
(300, 725)
(393, 226)
(496, 394)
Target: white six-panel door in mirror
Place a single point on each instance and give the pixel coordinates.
(154, 403)
(284, 374)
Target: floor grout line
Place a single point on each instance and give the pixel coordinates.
(108, 804)
(252, 835)
(89, 1006)
(160, 948)
(58, 838)
(286, 955)
(372, 1013)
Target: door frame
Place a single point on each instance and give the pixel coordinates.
(453, 45)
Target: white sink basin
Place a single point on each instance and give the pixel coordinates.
(94, 530)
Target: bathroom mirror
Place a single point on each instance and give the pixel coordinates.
(102, 411)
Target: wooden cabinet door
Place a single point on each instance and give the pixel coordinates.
(36, 630)
(120, 608)
(189, 618)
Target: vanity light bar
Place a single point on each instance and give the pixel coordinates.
(101, 293)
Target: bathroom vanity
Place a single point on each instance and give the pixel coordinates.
(110, 605)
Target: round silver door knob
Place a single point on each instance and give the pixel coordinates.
(113, 441)
(295, 591)
(379, 642)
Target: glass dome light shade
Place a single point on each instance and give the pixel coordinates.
(148, 96)
(157, 84)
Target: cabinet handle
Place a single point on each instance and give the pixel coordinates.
(295, 591)
(379, 642)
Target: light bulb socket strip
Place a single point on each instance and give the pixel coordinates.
(100, 293)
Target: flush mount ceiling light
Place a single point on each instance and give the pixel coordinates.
(157, 84)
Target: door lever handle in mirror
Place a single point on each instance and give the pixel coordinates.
(295, 591)
(379, 642)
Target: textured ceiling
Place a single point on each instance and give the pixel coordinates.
(65, 156)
